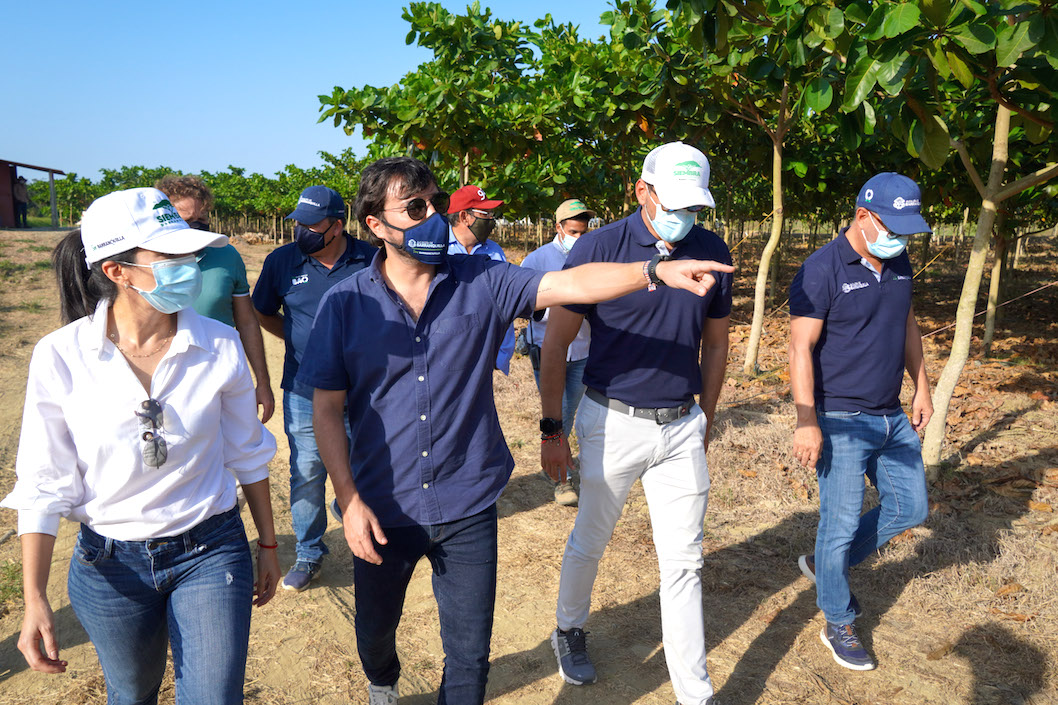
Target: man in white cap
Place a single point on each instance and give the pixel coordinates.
(650, 353)
(852, 335)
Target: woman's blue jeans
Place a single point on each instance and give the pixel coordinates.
(887, 450)
(194, 590)
(463, 556)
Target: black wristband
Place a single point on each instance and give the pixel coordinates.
(549, 427)
(652, 273)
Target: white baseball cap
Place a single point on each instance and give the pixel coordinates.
(139, 217)
(680, 175)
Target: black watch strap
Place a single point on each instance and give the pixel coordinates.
(652, 268)
(550, 426)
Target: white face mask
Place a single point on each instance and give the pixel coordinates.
(564, 241)
(672, 226)
(885, 246)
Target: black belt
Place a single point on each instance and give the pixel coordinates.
(660, 416)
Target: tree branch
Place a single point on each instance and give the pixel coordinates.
(1037, 177)
(970, 168)
(993, 88)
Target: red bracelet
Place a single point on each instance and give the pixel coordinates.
(265, 545)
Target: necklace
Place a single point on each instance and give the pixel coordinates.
(165, 341)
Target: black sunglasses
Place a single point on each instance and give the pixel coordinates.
(418, 207)
(155, 450)
(198, 224)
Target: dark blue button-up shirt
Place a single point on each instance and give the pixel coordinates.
(645, 347)
(296, 282)
(859, 358)
(426, 441)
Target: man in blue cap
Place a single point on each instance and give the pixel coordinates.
(293, 280)
(853, 333)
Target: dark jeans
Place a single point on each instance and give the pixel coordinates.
(21, 214)
(463, 556)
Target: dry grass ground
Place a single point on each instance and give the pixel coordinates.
(959, 610)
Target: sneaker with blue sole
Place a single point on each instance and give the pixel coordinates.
(845, 646)
(807, 564)
(299, 577)
(571, 650)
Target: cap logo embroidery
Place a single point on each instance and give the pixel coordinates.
(309, 201)
(900, 203)
(868, 195)
(481, 194)
(688, 168)
(107, 243)
(168, 214)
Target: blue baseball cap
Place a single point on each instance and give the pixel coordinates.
(317, 203)
(895, 199)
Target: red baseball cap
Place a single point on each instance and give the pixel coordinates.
(471, 197)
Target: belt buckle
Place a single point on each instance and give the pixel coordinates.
(667, 416)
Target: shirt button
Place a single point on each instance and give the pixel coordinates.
(423, 417)
(425, 453)
(421, 378)
(418, 339)
(426, 485)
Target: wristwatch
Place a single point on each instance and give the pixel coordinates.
(652, 273)
(549, 427)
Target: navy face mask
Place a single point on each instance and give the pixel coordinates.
(310, 241)
(427, 241)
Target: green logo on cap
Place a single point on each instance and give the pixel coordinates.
(168, 213)
(575, 204)
(689, 168)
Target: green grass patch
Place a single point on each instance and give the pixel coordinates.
(8, 269)
(41, 264)
(39, 248)
(10, 582)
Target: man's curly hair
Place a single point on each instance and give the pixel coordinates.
(177, 187)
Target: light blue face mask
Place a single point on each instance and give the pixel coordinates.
(672, 226)
(177, 283)
(885, 246)
(564, 242)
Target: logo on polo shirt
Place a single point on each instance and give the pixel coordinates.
(900, 203)
(853, 286)
(689, 168)
(303, 279)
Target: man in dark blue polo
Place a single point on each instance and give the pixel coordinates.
(853, 333)
(293, 280)
(427, 459)
(650, 353)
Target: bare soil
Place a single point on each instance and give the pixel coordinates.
(962, 609)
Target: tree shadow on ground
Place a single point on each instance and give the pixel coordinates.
(985, 644)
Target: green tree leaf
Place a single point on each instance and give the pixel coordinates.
(900, 18)
(1015, 39)
(819, 94)
(936, 11)
(859, 83)
(932, 142)
(960, 69)
(976, 38)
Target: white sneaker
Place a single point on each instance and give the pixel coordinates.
(382, 694)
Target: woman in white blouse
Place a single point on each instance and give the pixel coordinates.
(135, 413)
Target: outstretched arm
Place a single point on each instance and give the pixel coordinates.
(601, 281)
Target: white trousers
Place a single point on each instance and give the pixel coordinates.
(615, 450)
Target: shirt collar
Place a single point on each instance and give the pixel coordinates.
(641, 235)
(849, 255)
(189, 332)
(440, 274)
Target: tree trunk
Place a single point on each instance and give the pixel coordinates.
(964, 317)
(757, 328)
(923, 249)
(995, 278)
(962, 232)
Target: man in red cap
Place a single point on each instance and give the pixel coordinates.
(471, 217)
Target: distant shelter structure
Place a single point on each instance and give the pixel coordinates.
(8, 176)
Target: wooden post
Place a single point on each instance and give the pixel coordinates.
(51, 194)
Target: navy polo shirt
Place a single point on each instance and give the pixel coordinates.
(426, 445)
(645, 346)
(296, 282)
(859, 358)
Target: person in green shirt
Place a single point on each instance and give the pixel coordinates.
(225, 293)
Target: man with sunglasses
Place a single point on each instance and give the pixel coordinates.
(651, 352)
(293, 279)
(852, 335)
(427, 460)
(473, 218)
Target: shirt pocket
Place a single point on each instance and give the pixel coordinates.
(457, 342)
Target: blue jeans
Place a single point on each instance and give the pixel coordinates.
(192, 591)
(571, 394)
(887, 450)
(308, 477)
(463, 556)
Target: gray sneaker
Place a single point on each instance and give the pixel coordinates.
(565, 494)
(571, 650)
(382, 694)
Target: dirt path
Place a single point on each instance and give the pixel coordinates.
(960, 610)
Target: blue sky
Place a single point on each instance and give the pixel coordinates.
(201, 85)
